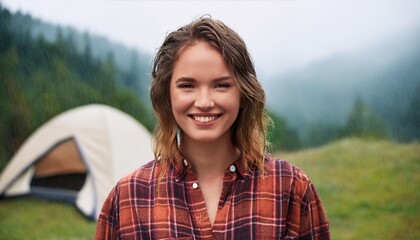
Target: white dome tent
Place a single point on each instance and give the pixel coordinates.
(78, 157)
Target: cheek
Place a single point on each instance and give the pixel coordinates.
(234, 106)
(179, 103)
(174, 99)
(233, 102)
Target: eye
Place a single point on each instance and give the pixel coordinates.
(185, 85)
(222, 85)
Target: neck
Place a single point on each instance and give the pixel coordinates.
(209, 159)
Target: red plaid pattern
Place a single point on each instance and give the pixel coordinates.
(283, 204)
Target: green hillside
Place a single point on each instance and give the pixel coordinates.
(369, 189)
(384, 73)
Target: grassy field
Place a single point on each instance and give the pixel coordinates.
(30, 218)
(370, 190)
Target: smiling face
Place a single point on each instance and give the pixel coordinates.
(204, 96)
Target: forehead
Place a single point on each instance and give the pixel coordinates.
(200, 60)
(195, 46)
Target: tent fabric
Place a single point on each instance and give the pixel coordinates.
(65, 158)
(98, 140)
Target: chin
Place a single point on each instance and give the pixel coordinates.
(208, 137)
(205, 139)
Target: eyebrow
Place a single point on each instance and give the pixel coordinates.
(188, 79)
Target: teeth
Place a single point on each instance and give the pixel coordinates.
(204, 119)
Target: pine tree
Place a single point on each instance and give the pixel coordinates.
(363, 122)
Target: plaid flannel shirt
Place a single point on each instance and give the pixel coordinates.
(282, 204)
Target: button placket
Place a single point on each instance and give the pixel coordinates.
(196, 203)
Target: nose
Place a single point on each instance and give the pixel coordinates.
(204, 99)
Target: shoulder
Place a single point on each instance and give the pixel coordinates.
(279, 167)
(292, 179)
(135, 184)
(118, 204)
(146, 174)
(306, 214)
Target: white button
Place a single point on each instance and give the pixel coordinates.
(176, 180)
(195, 185)
(232, 168)
(185, 162)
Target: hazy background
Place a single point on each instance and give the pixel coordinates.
(342, 80)
(318, 60)
(281, 35)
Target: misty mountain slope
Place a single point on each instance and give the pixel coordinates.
(385, 75)
(134, 64)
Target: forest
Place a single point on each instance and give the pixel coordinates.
(373, 89)
(47, 69)
(41, 78)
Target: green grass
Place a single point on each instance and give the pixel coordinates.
(370, 189)
(30, 218)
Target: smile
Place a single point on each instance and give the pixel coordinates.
(205, 119)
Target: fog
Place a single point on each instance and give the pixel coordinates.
(281, 35)
(385, 74)
(314, 58)
(342, 81)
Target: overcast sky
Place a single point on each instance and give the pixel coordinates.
(280, 35)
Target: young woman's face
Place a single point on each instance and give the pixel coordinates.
(204, 95)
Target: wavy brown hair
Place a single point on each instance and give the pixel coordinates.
(249, 129)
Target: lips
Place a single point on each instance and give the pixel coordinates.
(205, 119)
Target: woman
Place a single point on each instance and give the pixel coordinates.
(211, 179)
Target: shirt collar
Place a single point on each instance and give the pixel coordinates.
(180, 167)
(179, 170)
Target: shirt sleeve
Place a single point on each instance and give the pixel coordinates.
(107, 225)
(313, 219)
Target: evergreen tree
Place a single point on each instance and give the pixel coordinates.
(15, 119)
(363, 122)
(280, 136)
(5, 34)
(318, 134)
(412, 116)
(128, 102)
(40, 79)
